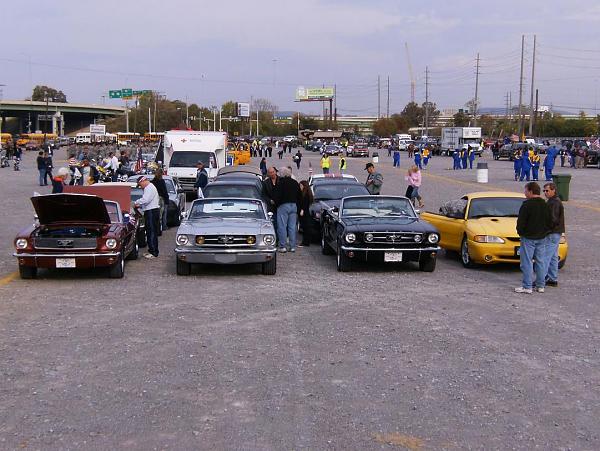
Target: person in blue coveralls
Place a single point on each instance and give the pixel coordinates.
(396, 158)
(456, 158)
(464, 155)
(535, 165)
(418, 159)
(549, 162)
(525, 166)
(517, 164)
(471, 157)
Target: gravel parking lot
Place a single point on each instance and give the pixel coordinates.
(385, 356)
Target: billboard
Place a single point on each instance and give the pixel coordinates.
(307, 94)
(97, 129)
(243, 109)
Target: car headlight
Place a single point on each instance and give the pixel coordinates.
(269, 240)
(350, 237)
(21, 243)
(418, 238)
(368, 237)
(487, 239)
(200, 240)
(111, 243)
(182, 240)
(433, 238)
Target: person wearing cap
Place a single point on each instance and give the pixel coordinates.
(201, 177)
(374, 180)
(149, 204)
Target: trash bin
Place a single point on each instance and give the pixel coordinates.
(375, 157)
(482, 173)
(562, 182)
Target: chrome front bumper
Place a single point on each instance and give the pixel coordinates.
(225, 256)
(391, 249)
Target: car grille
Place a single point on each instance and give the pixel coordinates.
(387, 239)
(227, 240)
(66, 243)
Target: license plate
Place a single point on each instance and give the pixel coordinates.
(65, 263)
(392, 256)
(518, 251)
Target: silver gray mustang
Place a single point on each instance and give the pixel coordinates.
(226, 231)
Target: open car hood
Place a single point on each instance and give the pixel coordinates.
(74, 208)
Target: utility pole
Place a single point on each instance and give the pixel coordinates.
(334, 106)
(531, 111)
(506, 106)
(510, 115)
(521, 88)
(149, 121)
(126, 116)
(426, 100)
(187, 113)
(378, 97)
(388, 98)
(476, 93)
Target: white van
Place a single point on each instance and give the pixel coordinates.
(182, 149)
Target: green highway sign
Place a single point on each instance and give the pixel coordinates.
(126, 92)
(115, 94)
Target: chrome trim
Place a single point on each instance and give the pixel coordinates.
(392, 249)
(217, 250)
(111, 254)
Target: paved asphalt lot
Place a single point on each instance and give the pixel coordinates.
(383, 357)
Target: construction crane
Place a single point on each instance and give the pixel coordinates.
(410, 73)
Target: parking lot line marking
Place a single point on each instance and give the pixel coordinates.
(8, 279)
(497, 188)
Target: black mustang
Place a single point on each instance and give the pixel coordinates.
(378, 227)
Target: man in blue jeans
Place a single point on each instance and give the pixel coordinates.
(557, 215)
(287, 197)
(533, 225)
(149, 203)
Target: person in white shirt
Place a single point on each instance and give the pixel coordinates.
(149, 204)
(113, 165)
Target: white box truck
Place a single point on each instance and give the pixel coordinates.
(458, 137)
(182, 149)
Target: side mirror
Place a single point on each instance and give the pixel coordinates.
(270, 215)
(126, 217)
(417, 211)
(336, 209)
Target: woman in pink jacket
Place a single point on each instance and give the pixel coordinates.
(413, 178)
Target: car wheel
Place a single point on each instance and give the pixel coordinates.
(427, 264)
(325, 248)
(465, 257)
(562, 263)
(27, 272)
(135, 252)
(270, 268)
(117, 271)
(141, 238)
(183, 268)
(343, 262)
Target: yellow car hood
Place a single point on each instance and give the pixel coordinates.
(503, 227)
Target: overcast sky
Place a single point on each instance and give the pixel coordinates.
(211, 52)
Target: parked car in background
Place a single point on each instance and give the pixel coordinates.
(331, 150)
(380, 228)
(358, 150)
(226, 231)
(246, 187)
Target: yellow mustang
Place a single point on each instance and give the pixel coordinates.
(482, 227)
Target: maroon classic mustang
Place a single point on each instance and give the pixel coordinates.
(76, 231)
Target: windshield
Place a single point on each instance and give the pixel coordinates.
(113, 211)
(230, 208)
(329, 191)
(189, 159)
(378, 207)
(495, 207)
(231, 191)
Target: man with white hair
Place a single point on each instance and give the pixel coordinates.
(287, 197)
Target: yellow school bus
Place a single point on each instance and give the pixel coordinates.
(36, 138)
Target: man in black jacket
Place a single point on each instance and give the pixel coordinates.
(287, 197)
(201, 176)
(557, 215)
(533, 225)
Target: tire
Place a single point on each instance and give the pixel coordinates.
(27, 272)
(325, 248)
(465, 257)
(562, 263)
(135, 252)
(141, 239)
(270, 268)
(343, 262)
(117, 271)
(427, 264)
(183, 268)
